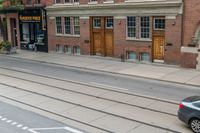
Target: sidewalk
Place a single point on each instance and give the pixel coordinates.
(152, 71)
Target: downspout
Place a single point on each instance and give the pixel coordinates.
(182, 23)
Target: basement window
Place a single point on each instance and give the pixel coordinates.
(76, 50)
(67, 49)
(131, 55)
(59, 48)
(144, 57)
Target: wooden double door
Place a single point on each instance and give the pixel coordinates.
(101, 33)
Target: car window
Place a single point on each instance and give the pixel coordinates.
(196, 105)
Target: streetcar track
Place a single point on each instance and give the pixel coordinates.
(99, 97)
(56, 114)
(115, 115)
(90, 85)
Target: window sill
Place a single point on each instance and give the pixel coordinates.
(108, 2)
(141, 39)
(92, 3)
(66, 35)
(71, 4)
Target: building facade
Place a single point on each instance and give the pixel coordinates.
(147, 31)
(32, 24)
(190, 50)
(9, 28)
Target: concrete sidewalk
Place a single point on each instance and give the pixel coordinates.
(152, 71)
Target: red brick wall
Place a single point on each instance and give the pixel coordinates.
(121, 45)
(191, 19)
(191, 23)
(188, 60)
(173, 40)
(81, 41)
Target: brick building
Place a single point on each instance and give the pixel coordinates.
(147, 31)
(9, 29)
(32, 24)
(190, 56)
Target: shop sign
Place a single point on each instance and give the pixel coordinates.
(29, 18)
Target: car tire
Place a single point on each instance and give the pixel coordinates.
(195, 125)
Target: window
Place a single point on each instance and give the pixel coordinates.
(145, 27)
(37, 1)
(144, 57)
(67, 49)
(109, 23)
(77, 50)
(58, 25)
(76, 26)
(159, 24)
(97, 23)
(58, 1)
(67, 25)
(197, 104)
(131, 55)
(67, 1)
(76, 1)
(71, 1)
(131, 26)
(29, 2)
(59, 48)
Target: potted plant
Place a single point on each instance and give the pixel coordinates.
(5, 46)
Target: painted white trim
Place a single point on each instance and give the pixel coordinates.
(108, 2)
(139, 39)
(170, 17)
(158, 61)
(189, 50)
(85, 17)
(92, 3)
(120, 17)
(52, 18)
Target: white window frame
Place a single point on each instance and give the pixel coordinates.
(154, 24)
(94, 23)
(69, 25)
(112, 23)
(76, 25)
(145, 27)
(135, 27)
(60, 25)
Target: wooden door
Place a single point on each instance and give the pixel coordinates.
(102, 36)
(97, 43)
(158, 47)
(109, 36)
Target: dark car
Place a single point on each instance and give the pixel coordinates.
(189, 112)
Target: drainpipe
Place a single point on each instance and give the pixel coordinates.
(182, 23)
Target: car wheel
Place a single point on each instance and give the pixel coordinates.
(195, 125)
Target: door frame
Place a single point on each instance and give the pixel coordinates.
(102, 32)
(153, 57)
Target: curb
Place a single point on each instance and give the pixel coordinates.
(90, 69)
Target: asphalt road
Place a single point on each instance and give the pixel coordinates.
(16, 120)
(160, 89)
